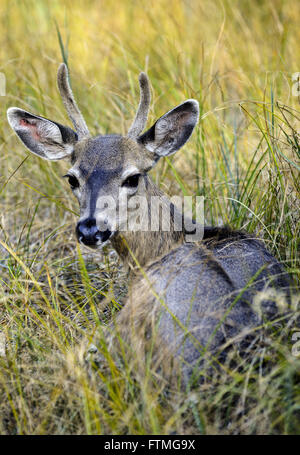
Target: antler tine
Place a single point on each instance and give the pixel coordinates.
(70, 103)
(140, 120)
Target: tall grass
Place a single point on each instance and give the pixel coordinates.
(237, 59)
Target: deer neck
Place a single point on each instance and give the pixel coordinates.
(139, 248)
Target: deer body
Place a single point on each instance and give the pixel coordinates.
(199, 295)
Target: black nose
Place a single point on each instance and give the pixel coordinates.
(88, 233)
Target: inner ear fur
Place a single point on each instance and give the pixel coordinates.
(171, 131)
(45, 138)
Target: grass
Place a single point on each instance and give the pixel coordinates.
(237, 59)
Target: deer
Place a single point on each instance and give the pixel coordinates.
(195, 296)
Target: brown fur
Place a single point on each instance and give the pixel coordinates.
(138, 249)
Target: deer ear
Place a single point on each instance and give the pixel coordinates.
(172, 130)
(47, 139)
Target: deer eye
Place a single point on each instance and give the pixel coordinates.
(73, 182)
(132, 181)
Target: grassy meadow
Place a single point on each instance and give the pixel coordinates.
(237, 58)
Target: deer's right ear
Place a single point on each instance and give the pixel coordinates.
(47, 139)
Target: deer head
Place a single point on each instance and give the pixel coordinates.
(106, 171)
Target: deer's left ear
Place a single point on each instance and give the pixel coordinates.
(43, 137)
(172, 130)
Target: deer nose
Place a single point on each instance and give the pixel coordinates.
(88, 233)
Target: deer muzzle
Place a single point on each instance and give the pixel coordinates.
(89, 234)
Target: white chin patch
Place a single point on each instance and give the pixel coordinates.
(101, 245)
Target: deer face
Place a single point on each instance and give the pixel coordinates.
(107, 171)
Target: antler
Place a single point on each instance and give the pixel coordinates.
(140, 120)
(70, 103)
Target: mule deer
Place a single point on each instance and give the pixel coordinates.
(199, 294)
